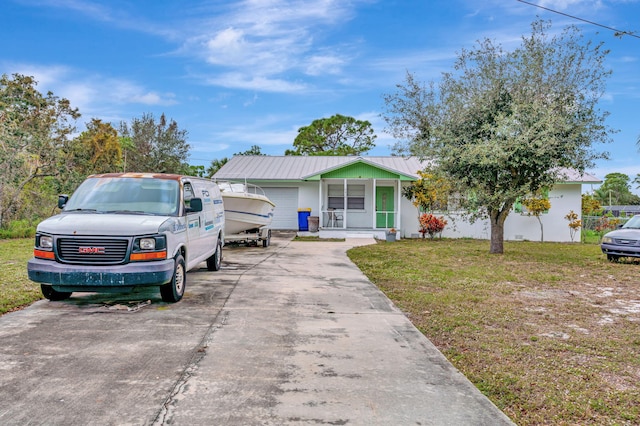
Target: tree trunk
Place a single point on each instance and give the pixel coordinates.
(497, 219)
(541, 230)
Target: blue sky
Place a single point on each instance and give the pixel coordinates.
(241, 73)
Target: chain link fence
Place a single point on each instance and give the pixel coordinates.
(602, 223)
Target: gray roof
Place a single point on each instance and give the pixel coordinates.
(294, 167)
(290, 167)
(574, 176)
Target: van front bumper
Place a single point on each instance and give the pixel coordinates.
(65, 277)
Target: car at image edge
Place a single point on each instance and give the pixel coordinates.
(623, 242)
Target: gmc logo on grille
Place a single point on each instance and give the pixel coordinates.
(91, 250)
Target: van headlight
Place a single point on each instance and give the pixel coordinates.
(607, 240)
(152, 247)
(147, 243)
(44, 247)
(45, 242)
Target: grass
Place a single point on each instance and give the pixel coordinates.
(16, 290)
(550, 332)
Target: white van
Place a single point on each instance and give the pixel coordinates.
(123, 230)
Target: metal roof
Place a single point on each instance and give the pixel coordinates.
(574, 176)
(263, 167)
(299, 168)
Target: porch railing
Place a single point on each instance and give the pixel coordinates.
(333, 218)
(386, 219)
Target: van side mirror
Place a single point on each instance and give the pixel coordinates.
(195, 205)
(62, 200)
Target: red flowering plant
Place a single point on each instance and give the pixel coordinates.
(606, 224)
(432, 225)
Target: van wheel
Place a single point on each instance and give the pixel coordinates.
(172, 292)
(215, 261)
(613, 258)
(54, 295)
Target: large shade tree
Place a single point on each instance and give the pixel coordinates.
(155, 146)
(336, 135)
(616, 190)
(504, 123)
(96, 150)
(35, 129)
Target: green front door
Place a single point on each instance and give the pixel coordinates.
(385, 216)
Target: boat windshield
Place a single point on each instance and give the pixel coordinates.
(240, 188)
(127, 196)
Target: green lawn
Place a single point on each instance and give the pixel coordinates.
(549, 332)
(15, 288)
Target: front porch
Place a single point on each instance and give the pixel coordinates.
(344, 233)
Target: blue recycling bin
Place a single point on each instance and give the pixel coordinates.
(303, 216)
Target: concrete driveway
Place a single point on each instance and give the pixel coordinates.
(289, 334)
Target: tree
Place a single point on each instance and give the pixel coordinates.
(504, 123)
(430, 192)
(616, 190)
(215, 166)
(590, 205)
(254, 150)
(34, 132)
(195, 171)
(535, 207)
(96, 150)
(575, 223)
(336, 135)
(218, 163)
(158, 147)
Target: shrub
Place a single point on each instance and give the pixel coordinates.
(18, 229)
(432, 225)
(574, 223)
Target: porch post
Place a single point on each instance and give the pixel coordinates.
(399, 214)
(320, 204)
(373, 207)
(344, 201)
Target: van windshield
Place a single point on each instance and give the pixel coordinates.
(126, 195)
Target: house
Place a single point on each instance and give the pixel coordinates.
(624, 211)
(362, 196)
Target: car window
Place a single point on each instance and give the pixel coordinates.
(634, 222)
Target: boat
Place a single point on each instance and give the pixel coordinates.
(246, 208)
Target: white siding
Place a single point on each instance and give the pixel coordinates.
(563, 198)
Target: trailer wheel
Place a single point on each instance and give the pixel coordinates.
(267, 241)
(215, 261)
(53, 295)
(172, 292)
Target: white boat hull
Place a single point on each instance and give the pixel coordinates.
(245, 211)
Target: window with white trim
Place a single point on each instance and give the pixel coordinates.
(355, 197)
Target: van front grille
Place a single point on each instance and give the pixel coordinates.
(93, 251)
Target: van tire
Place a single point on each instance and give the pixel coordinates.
(54, 295)
(215, 261)
(172, 292)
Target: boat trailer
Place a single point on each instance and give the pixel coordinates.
(252, 237)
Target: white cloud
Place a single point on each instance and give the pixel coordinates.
(324, 64)
(269, 41)
(566, 4)
(259, 83)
